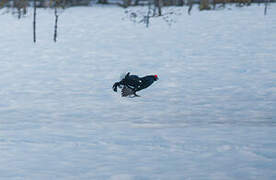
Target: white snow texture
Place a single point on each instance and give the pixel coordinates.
(211, 115)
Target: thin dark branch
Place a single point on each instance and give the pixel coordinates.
(266, 4)
(190, 3)
(56, 21)
(34, 22)
(148, 15)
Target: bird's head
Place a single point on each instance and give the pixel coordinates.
(155, 77)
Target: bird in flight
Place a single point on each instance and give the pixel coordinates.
(130, 84)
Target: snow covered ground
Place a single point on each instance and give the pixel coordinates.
(211, 115)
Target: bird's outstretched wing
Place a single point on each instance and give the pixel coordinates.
(129, 92)
(126, 91)
(124, 75)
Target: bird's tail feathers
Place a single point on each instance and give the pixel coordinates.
(115, 86)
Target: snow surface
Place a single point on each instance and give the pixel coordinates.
(211, 115)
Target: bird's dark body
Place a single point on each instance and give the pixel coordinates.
(134, 83)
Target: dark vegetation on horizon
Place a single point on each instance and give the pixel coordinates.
(154, 7)
(22, 5)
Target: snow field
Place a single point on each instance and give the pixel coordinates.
(211, 115)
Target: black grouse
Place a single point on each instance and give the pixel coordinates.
(130, 84)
